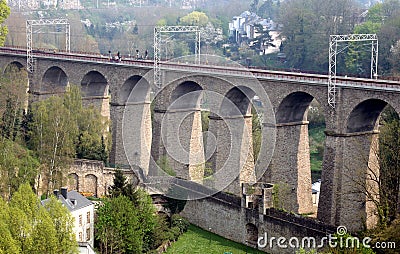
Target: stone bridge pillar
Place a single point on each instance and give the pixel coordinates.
(101, 103)
(157, 147)
(182, 142)
(131, 126)
(348, 160)
(231, 155)
(290, 166)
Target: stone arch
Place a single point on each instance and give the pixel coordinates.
(241, 97)
(54, 80)
(135, 89)
(94, 84)
(364, 117)
(186, 96)
(132, 126)
(293, 108)
(73, 181)
(251, 234)
(94, 89)
(232, 154)
(177, 135)
(91, 184)
(358, 148)
(15, 64)
(292, 152)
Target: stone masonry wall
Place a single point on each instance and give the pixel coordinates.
(226, 218)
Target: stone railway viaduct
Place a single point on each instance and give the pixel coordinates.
(142, 133)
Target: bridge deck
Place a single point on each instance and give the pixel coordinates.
(226, 70)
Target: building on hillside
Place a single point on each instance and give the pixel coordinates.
(241, 28)
(82, 211)
(316, 189)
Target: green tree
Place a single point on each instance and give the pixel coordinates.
(262, 41)
(381, 187)
(254, 6)
(117, 227)
(307, 25)
(121, 186)
(63, 223)
(176, 199)
(143, 206)
(382, 19)
(53, 132)
(13, 96)
(17, 166)
(269, 9)
(93, 135)
(389, 162)
(32, 227)
(92, 138)
(195, 18)
(4, 12)
(7, 242)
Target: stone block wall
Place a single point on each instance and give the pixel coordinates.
(93, 177)
(223, 215)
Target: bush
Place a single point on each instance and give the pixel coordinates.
(175, 232)
(179, 222)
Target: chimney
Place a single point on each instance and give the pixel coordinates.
(64, 192)
(56, 192)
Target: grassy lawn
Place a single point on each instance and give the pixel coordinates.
(197, 240)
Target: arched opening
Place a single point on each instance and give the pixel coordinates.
(94, 88)
(184, 96)
(299, 152)
(54, 80)
(316, 137)
(251, 234)
(94, 84)
(364, 116)
(232, 158)
(91, 184)
(370, 173)
(182, 149)
(73, 182)
(13, 97)
(13, 66)
(134, 89)
(240, 97)
(293, 108)
(131, 119)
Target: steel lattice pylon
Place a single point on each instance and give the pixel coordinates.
(333, 51)
(29, 33)
(158, 31)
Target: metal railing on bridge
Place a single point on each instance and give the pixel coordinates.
(223, 70)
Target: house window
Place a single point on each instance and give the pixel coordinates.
(88, 234)
(80, 236)
(88, 217)
(80, 220)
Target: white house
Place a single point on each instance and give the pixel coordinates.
(316, 189)
(82, 211)
(242, 27)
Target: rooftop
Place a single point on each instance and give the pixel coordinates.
(73, 200)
